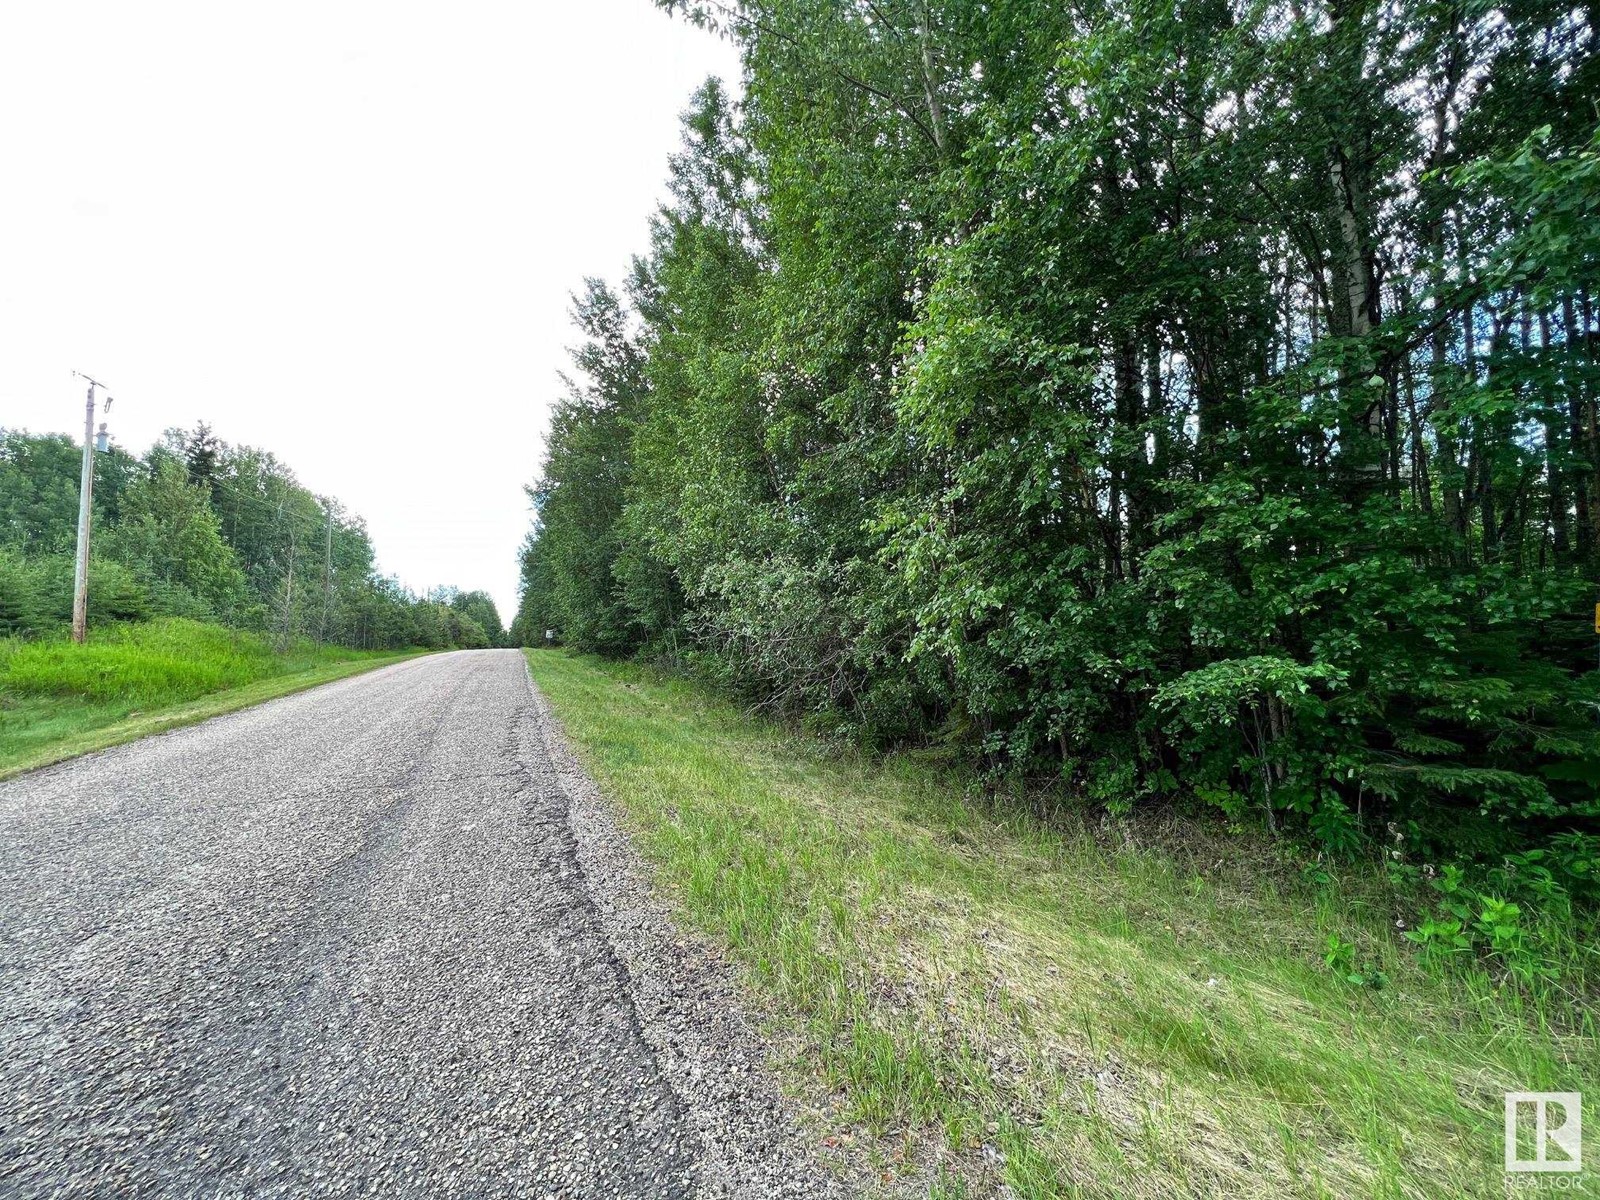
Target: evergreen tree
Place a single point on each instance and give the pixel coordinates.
(200, 453)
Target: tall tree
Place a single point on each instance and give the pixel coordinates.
(1173, 400)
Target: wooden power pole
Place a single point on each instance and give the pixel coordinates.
(80, 575)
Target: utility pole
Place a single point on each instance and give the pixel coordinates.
(80, 576)
(327, 576)
(288, 594)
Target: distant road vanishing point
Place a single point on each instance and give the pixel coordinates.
(336, 945)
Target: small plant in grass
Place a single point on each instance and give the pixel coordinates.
(1340, 956)
(1500, 923)
(1440, 937)
(1531, 941)
(1316, 874)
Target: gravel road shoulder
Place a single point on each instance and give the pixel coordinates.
(753, 1140)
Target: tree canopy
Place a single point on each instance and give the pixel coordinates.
(200, 528)
(1168, 400)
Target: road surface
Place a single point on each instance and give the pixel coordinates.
(336, 945)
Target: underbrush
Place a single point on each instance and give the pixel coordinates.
(1525, 925)
(1081, 1006)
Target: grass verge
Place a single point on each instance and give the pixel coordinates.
(1090, 1012)
(59, 700)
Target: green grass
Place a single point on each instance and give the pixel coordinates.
(58, 699)
(1120, 1014)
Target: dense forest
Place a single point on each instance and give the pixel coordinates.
(198, 528)
(1174, 403)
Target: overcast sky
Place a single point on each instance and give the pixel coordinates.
(343, 231)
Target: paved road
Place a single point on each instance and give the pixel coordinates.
(339, 944)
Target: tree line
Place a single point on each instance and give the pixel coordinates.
(1171, 400)
(203, 529)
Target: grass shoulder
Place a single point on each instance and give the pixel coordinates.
(59, 700)
(1069, 1008)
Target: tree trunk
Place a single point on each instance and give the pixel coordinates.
(930, 87)
(1575, 352)
(1555, 451)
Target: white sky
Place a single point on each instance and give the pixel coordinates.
(345, 231)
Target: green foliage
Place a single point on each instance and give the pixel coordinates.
(116, 593)
(1160, 404)
(39, 479)
(204, 530)
(149, 663)
(1340, 957)
(477, 621)
(579, 501)
(1537, 945)
(169, 533)
(23, 603)
(1441, 936)
(953, 963)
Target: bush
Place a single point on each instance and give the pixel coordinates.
(22, 596)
